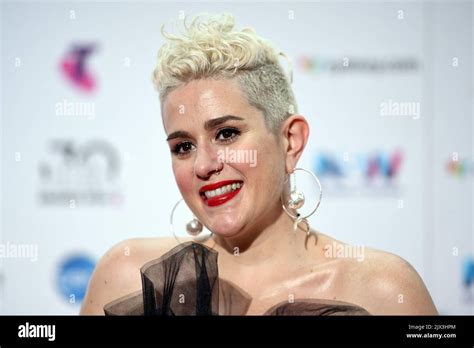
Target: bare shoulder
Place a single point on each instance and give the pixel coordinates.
(382, 282)
(394, 285)
(118, 271)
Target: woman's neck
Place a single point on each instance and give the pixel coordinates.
(276, 244)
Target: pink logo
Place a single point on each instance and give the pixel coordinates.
(73, 66)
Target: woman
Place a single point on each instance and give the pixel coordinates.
(224, 90)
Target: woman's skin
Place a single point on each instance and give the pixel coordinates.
(258, 250)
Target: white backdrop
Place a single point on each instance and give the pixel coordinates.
(85, 165)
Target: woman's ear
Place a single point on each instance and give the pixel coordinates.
(295, 131)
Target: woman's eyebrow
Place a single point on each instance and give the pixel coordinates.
(178, 134)
(208, 125)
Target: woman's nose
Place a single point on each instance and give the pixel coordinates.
(207, 162)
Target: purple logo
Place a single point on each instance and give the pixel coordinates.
(360, 173)
(369, 166)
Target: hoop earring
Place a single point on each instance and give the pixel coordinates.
(296, 200)
(193, 227)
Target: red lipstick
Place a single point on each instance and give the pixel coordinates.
(222, 198)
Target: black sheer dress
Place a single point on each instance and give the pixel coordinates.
(185, 281)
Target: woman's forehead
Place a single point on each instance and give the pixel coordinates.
(204, 93)
(203, 100)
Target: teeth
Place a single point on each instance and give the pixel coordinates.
(222, 190)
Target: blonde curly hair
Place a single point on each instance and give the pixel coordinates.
(210, 47)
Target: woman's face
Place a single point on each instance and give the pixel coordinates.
(212, 128)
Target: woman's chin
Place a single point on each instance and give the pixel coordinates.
(225, 230)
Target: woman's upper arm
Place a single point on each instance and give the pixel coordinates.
(117, 274)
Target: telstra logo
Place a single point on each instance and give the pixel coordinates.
(73, 67)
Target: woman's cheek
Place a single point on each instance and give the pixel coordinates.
(182, 175)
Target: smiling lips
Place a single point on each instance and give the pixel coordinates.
(220, 192)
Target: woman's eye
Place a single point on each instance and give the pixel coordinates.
(183, 148)
(227, 134)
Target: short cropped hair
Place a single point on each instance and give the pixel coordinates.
(210, 47)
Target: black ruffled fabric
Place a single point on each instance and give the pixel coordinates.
(185, 281)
